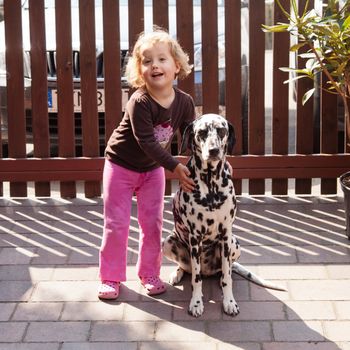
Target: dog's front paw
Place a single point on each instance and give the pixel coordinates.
(196, 307)
(230, 307)
(176, 276)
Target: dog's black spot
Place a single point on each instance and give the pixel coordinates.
(226, 250)
(200, 216)
(186, 197)
(198, 162)
(192, 211)
(210, 222)
(198, 278)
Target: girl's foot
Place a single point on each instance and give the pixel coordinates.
(108, 290)
(154, 285)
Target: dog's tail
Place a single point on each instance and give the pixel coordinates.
(250, 276)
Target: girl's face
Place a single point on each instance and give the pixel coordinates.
(158, 67)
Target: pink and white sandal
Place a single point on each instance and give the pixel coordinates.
(154, 285)
(108, 290)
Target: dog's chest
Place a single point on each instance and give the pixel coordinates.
(208, 204)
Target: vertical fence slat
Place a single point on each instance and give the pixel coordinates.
(112, 66)
(346, 139)
(161, 13)
(40, 121)
(184, 30)
(1, 148)
(136, 20)
(329, 132)
(15, 88)
(64, 57)
(233, 74)
(256, 113)
(210, 79)
(89, 115)
(304, 128)
(280, 97)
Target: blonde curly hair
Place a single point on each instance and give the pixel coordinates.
(133, 67)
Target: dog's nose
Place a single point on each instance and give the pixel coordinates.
(214, 152)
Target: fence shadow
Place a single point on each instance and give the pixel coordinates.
(49, 255)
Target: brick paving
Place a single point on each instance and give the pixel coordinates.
(48, 281)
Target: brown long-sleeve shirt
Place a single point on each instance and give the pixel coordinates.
(141, 140)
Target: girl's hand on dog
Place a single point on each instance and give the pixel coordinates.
(182, 173)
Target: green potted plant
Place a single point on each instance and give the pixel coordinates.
(326, 37)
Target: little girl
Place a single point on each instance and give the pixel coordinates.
(136, 156)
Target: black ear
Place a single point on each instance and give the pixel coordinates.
(231, 138)
(187, 138)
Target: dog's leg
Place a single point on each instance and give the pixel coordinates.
(176, 251)
(229, 303)
(196, 306)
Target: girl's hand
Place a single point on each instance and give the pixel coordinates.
(182, 173)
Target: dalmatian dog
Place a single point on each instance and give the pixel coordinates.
(202, 242)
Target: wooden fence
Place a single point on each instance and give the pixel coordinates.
(18, 168)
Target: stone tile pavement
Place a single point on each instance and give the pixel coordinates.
(48, 280)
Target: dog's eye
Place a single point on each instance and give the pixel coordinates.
(202, 134)
(221, 132)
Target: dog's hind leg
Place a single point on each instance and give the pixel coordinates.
(176, 251)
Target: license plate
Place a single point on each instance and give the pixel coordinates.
(53, 105)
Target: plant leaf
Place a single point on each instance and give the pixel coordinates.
(346, 23)
(307, 95)
(278, 28)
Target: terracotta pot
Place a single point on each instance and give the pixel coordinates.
(345, 186)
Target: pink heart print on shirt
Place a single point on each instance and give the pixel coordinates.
(163, 133)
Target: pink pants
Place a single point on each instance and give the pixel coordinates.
(119, 185)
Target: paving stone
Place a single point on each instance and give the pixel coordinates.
(292, 272)
(297, 331)
(180, 331)
(65, 291)
(177, 345)
(255, 310)
(339, 271)
(325, 254)
(122, 331)
(94, 311)
(342, 309)
(100, 346)
(311, 345)
(30, 346)
(310, 310)
(16, 255)
(15, 290)
(238, 346)
(51, 256)
(37, 312)
(6, 310)
(320, 290)
(147, 311)
(230, 331)
(57, 331)
(268, 255)
(337, 330)
(75, 273)
(12, 331)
